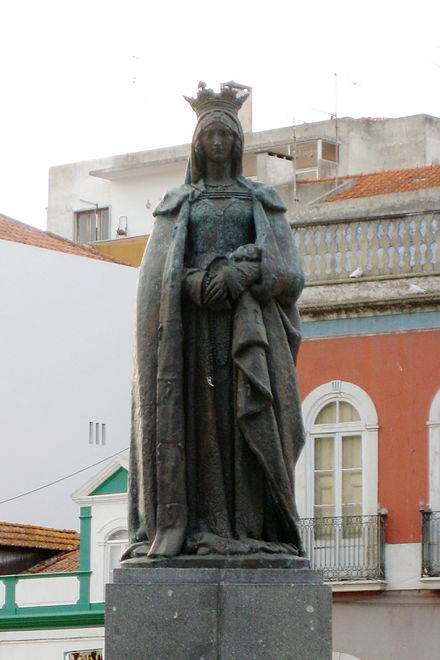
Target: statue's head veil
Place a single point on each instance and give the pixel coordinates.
(215, 108)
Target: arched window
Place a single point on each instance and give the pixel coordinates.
(115, 545)
(340, 526)
(337, 473)
(434, 453)
(336, 439)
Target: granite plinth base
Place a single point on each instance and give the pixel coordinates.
(219, 561)
(162, 613)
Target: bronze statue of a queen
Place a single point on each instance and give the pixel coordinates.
(217, 425)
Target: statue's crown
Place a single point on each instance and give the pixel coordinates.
(207, 100)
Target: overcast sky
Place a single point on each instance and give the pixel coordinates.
(94, 78)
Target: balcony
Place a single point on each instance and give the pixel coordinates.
(382, 247)
(430, 543)
(346, 548)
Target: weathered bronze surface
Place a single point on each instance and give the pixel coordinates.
(217, 423)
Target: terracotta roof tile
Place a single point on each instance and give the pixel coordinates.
(66, 562)
(386, 183)
(30, 536)
(19, 232)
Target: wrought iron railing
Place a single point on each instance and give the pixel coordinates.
(346, 547)
(431, 543)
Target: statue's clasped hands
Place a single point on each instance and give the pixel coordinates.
(216, 292)
(241, 271)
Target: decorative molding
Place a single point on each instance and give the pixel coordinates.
(430, 582)
(372, 427)
(358, 585)
(111, 526)
(94, 500)
(347, 391)
(114, 464)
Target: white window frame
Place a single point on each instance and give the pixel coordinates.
(100, 565)
(433, 424)
(109, 543)
(97, 232)
(367, 427)
(336, 431)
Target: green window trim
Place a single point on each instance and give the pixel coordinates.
(40, 618)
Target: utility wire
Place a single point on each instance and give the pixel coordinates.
(57, 481)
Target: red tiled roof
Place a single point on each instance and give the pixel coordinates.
(19, 232)
(29, 536)
(386, 183)
(66, 562)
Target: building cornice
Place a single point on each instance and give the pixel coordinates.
(333, 309)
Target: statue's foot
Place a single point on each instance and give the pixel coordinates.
(167, 543)
(270, 547)
(139, 549)
(207, 543)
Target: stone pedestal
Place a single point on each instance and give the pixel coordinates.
(218, 612)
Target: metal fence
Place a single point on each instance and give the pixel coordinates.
(346, 547)
(431, 543)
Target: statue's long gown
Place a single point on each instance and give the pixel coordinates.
(230, 508)
(216, 428)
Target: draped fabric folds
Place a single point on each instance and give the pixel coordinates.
(265, 341)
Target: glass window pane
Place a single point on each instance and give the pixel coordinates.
(351, 451)
(351, 488)
(324, 488)
(323, 525)
(324, 454)
(351, 510)
(103, 225)
(327, 415)
(324, 511)
(347, 413)
(83, 227)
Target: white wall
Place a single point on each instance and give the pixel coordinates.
(36, 592)
(126, 192)
(68, 184)
(109, 514)
(130, 196)
(65, 360)
(128, 181)
(49, 644)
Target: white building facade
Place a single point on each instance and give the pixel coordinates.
(114, 197)
(65, 359)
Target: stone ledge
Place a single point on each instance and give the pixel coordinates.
(430, 582)
(358, 585)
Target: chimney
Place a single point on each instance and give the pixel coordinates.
(245, 113)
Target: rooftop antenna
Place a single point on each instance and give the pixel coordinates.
(336, 130)
(134, 58)
(292, 152)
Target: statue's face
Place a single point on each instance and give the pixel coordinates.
(217, 142)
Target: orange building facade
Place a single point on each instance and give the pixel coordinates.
(400, 372)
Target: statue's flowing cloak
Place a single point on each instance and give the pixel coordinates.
(266, 337)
